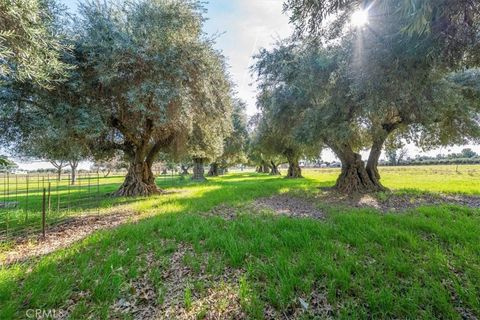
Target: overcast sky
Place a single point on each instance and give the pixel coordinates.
(245, 26)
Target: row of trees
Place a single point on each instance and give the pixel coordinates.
(408, 75)
(139, 78)
(466, 156)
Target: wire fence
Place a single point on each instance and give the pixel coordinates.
(30, 203)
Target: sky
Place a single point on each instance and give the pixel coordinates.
(243, 27)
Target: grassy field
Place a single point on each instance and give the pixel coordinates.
(357, 263)
(449, 179)
(90, 195)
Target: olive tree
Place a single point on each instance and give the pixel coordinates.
(363, 84)
(235, 144)
(150, 77)
(350, 108)
(278, 101)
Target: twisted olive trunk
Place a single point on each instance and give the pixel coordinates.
(376, 150)
(214, 170)
(294, 170)
(139, 181)
(263, 167)
(372, 162)
(185, 170)
(266, 168)
(354, 177)
(198, 170)
(274, 171)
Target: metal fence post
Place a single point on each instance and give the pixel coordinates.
(26, 201)
(98, 193)
(49, 198)
(43, 211)
(68, 193)
(4, 192)
(58, 196)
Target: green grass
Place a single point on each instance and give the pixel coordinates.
(90, 195)
(445, 178)
(424, 263)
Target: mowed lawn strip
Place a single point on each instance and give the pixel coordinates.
(422, 263)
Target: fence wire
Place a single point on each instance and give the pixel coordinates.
(21, 199)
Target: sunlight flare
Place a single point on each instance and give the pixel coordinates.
(360, 18)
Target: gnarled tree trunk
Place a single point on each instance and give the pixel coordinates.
(372, 162)
(139, 181)
(294, 170)
(274, 171)
(354, 177)
(266, 168)
(376, 151)
(185, 170)
(214, 170)
(198, 170)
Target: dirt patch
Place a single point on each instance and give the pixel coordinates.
(394, 202)
(225, 211)
(63, 234)
(289, 206)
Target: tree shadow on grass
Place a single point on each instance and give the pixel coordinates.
(287, 253)
(98, 251)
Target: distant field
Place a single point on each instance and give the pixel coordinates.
(444, 178)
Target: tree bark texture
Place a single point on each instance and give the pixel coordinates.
(214, 170)
(139, 181)
(185, 170)
(354, 177)
(198, 170)
(275, 171)
(376, 151)
(294, 170)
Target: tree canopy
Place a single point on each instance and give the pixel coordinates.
(146, 79)
(30, 48)
(357, 86)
